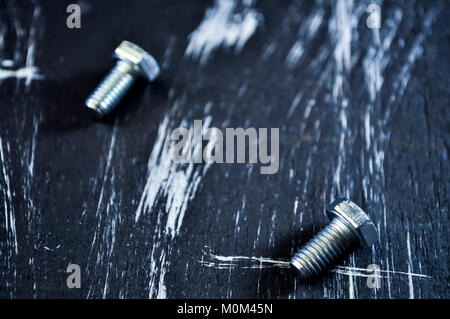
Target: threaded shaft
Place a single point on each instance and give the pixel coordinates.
(324, 248)
(112, 89)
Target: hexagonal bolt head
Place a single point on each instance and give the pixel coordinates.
(357, 218)
(141, 61)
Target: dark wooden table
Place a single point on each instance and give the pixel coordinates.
(362, 113)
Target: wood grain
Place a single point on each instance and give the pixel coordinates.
(362, 113)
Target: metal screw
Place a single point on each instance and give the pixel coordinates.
(349, 224)
(132, 62)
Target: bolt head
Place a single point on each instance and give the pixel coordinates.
(357, 218)
(141, 61)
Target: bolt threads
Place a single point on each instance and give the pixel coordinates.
(324, 248)
(112, 89)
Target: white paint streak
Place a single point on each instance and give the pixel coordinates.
(223, 26)
(340, 27)
(104, 240)
(33, 147)
(363, 272)
(225, 262)
(162, 290)
(10, 219)
(410, 267)
(295, 53)
(377, 134)
(107, 168)
(294, 104)
(211, 260)
(30, 71)
(305, 33)
(175, 182)
(7, 63)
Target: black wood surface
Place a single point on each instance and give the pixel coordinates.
(362, 113)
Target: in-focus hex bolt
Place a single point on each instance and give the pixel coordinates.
(132, 62)
(349, 224)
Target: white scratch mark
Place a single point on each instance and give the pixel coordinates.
(295, 53)
(223, 26)
(307, 31)
(107, 168)
(211, 260)
(33, 147)
(340, 27)
(177, 183)
(225, 262)
(30, 71)
(363, 272)
(105, 236)
(410, 281)
(162, 290)
(7, 63)
(10, 219)
(294, 104)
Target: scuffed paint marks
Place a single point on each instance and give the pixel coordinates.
(241, 262)
(174, 185)
(377, 131)
(410, 267)
(10, 248)
(220, 262)
(10, 220)
(368, 273)
(341, 30)
(341, 94)
(162, 290)
(228, 24)
(177, 183)
(336, 62)
(100, 264)
(305, 34)
(10, 223)
(30, 71)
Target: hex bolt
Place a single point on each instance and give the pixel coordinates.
(132, 62)
(349, 224)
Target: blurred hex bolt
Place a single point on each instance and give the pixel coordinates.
(349, 224)
(132, 62)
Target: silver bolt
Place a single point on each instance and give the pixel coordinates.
(132, 62)
(349, 224)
